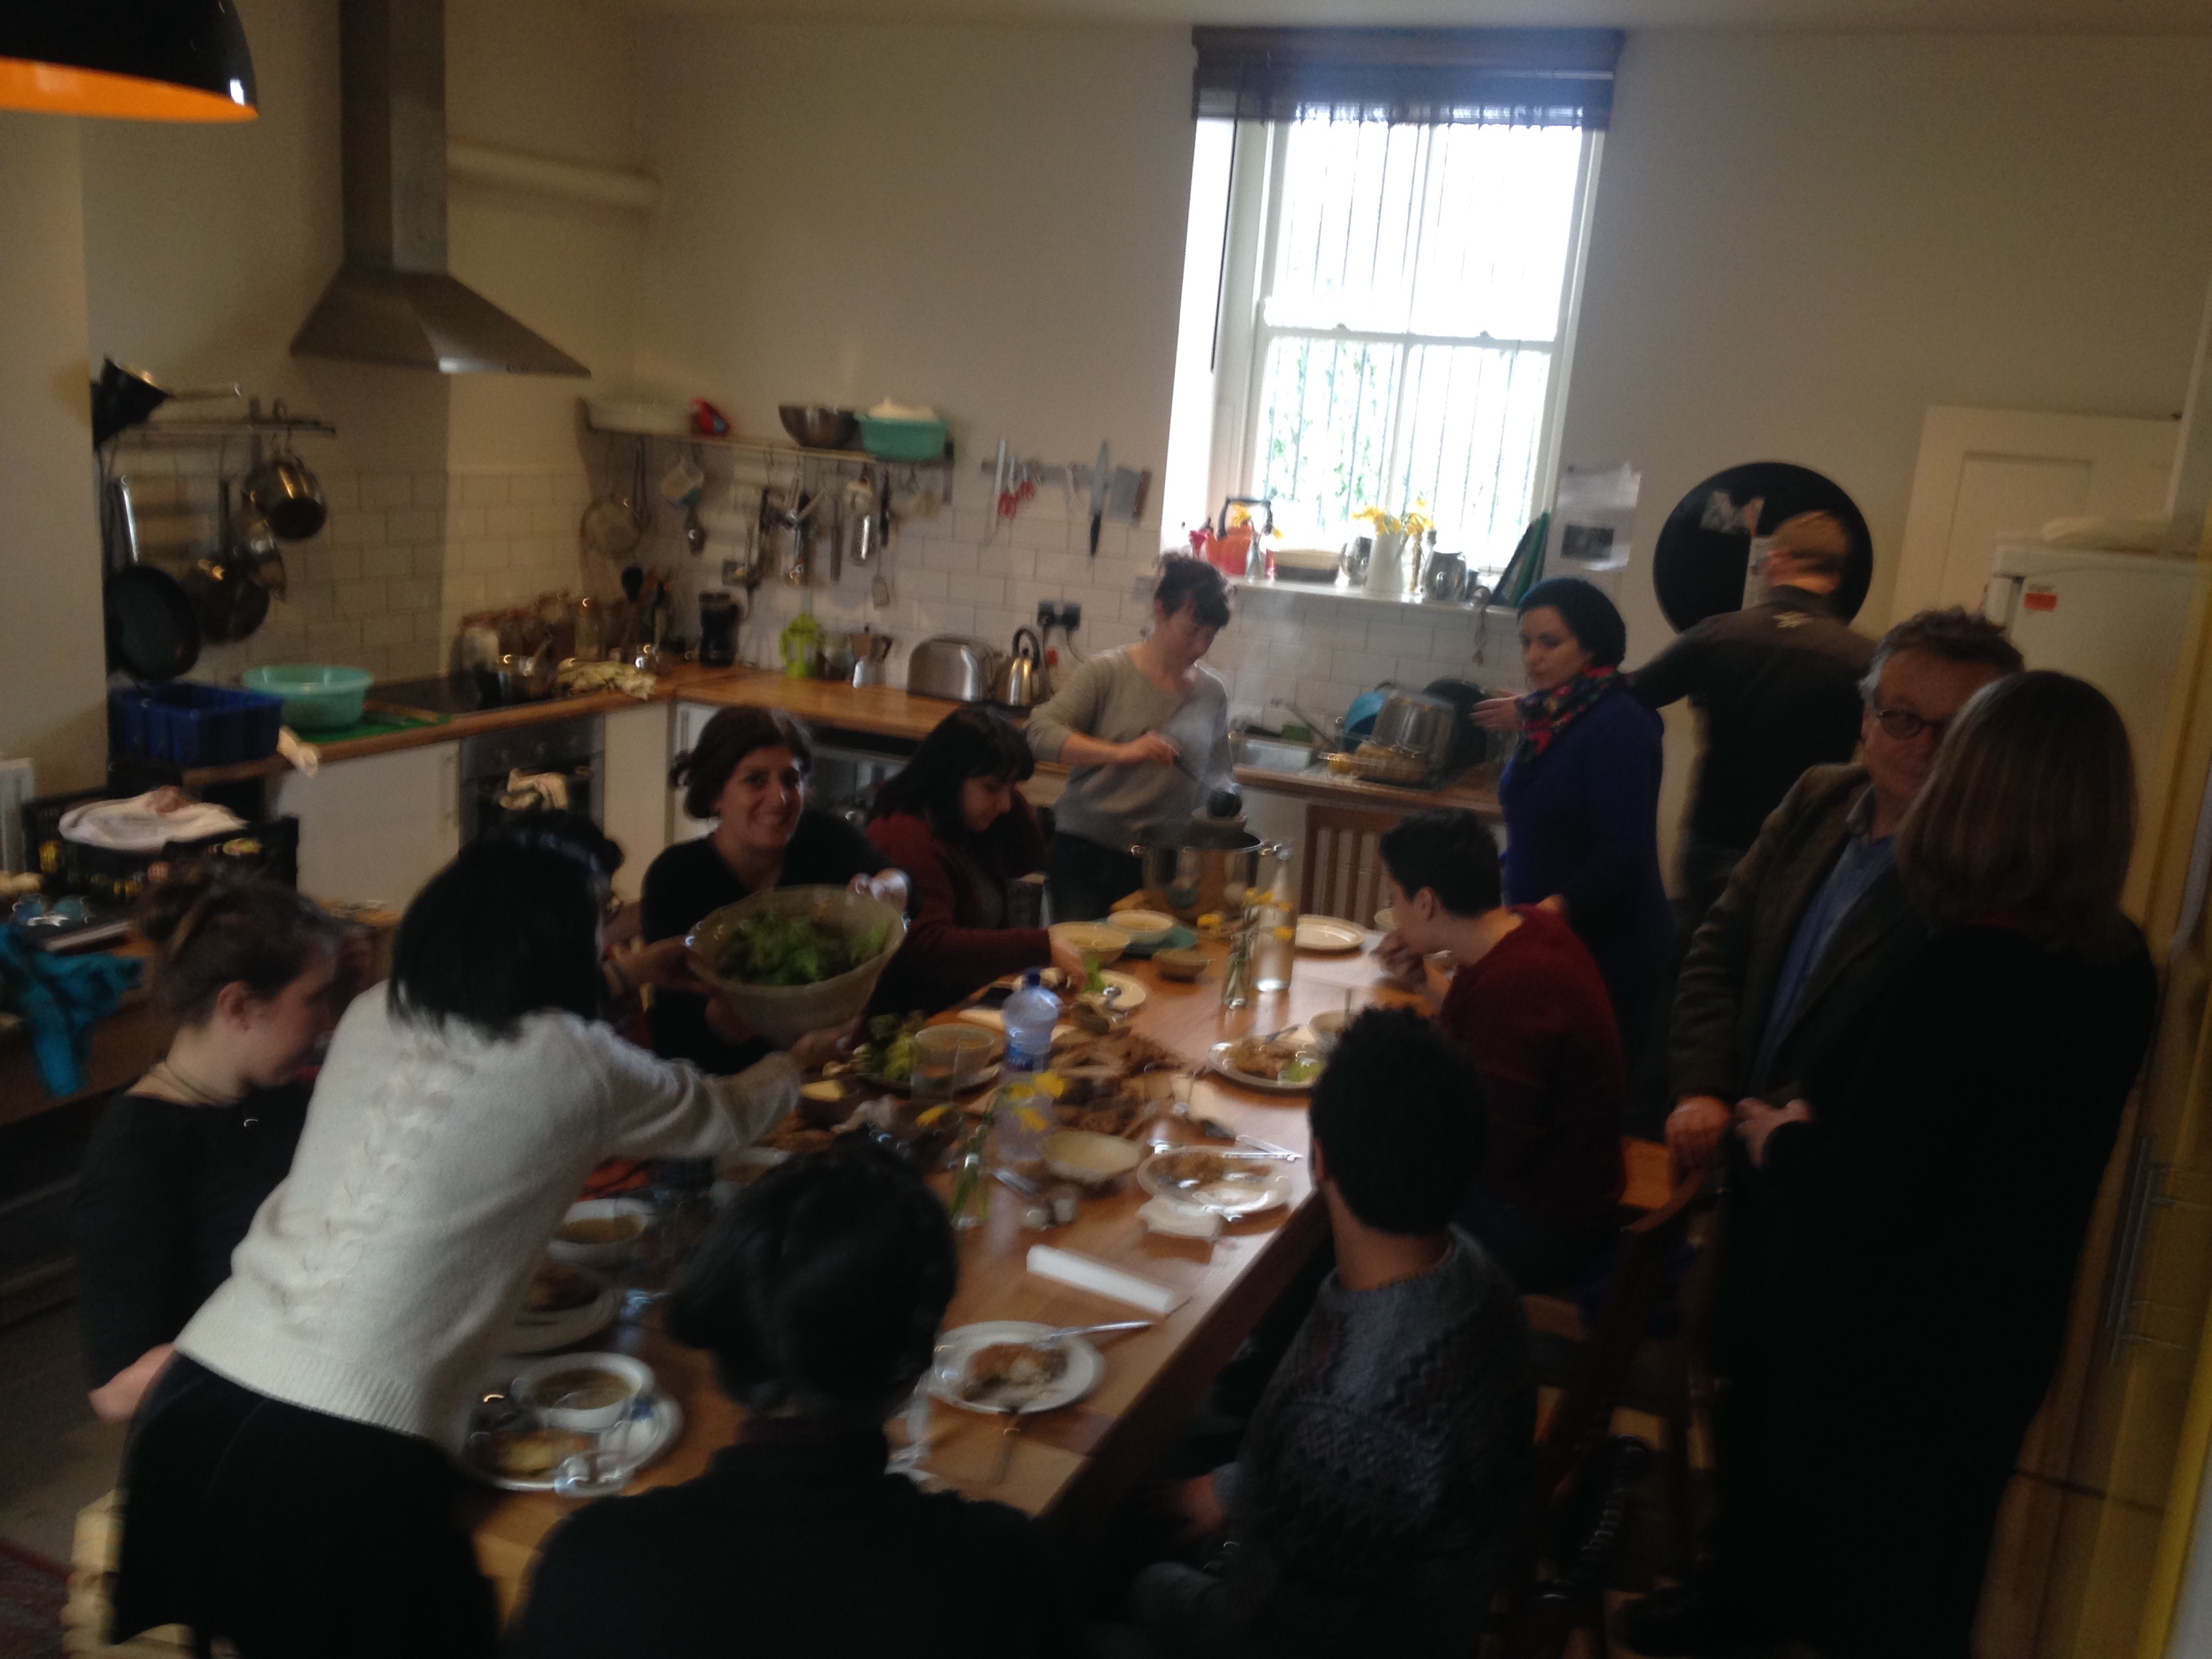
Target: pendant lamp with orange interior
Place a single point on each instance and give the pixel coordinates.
(145, 60)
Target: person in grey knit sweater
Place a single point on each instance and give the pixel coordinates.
(1145, 732)
(1381, 1484)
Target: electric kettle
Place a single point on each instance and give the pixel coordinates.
(1023, 681)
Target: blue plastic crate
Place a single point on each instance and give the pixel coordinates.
(185, 724)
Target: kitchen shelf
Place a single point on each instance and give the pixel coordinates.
(217, 431)
(1336, 591)
(781, 452)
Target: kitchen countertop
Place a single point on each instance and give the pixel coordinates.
(879, 710)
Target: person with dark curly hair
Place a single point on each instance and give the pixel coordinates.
(747, 773)
(818, 1293)
(1382, 1485)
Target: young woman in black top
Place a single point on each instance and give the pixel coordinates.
(749, 775)
(256, 976)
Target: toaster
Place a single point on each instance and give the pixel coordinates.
(945, 666)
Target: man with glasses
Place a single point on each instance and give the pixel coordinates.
(1808, 927)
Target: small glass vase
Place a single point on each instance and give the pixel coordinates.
(1237, 972)
(970, 1205)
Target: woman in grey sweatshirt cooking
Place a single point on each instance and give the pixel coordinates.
(1145, 732)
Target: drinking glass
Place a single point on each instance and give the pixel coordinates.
(948, 1062)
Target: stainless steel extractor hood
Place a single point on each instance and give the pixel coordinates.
(392, 300)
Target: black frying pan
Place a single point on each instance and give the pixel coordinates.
(152, 634)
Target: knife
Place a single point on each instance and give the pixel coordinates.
(1097, 497)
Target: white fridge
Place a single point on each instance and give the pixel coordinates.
(2115, 619)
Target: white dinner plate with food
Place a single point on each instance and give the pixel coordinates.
(1331, 933)
(564, 1305)
(526, 1457)
(999, 1365)
(1226, 1184)
(1286, 1063)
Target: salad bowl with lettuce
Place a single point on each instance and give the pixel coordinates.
(792, 960)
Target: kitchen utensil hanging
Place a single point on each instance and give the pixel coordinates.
(285, 494)
(614, 525)
(152, 632)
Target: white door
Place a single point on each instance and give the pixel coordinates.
(375, 829)
(1987, 473)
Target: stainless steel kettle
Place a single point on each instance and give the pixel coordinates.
(1023, 680)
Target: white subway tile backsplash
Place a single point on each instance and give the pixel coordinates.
(482, 489)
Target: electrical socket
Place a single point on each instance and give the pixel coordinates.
(1059, 613)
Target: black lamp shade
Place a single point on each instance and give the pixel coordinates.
(147, 60)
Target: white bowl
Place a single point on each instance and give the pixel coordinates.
(1328, 1026)
(1092, 939)
(1142, 926)
(631, 1378)
(1087, 1157)
(608, 1253)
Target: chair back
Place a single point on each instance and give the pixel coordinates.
(1584, 1410)
(1342, 872)
(1587, 1524)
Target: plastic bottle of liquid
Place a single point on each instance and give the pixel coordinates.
(1024, 1113)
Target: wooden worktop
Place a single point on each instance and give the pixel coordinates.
(877, 710)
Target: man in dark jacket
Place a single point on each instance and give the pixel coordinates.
(1778, 685)
(1811, 926)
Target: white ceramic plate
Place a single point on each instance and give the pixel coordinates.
(1249, 1187)
(1085, 1364)
(1217, 1058)
(650, 1438)
(1133, 994)
(1329, 933)
(543, 1334)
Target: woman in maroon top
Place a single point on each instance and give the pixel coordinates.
(1527, 1000)
(954, 822)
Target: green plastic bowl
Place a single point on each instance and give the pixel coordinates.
(317, 697)
(902, 440)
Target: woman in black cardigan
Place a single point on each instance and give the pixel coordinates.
(1932, 1196)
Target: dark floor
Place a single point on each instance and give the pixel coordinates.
(55, 1456)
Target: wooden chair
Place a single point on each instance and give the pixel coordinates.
(1341, 874)
(1598, 1373)
(1581, 1539)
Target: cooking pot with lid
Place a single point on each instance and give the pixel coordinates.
(1419, 724)
(1206, 863)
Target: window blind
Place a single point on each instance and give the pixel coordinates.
(1428, 77)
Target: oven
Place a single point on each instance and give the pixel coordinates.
(503, 772)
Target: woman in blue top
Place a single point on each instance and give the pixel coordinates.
(1581, 793)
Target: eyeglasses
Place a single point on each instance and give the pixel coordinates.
(1905, 726)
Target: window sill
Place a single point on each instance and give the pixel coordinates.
(1340, 593)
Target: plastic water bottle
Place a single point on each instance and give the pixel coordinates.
(1031, 1014)
(1024, 1117)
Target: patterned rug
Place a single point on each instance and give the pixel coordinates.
(33, 1591)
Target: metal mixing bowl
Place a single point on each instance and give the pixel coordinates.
(812, 426)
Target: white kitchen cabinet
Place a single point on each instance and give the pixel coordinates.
(635, 792)
(377, 828)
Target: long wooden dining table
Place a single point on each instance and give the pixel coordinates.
(1069, 1466)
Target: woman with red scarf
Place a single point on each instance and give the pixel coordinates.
(1581, 793)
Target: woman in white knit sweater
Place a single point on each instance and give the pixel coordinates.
(288, 1484)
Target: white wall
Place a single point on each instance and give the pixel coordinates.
(1802, 242)
(206, 248)
(51, 687)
